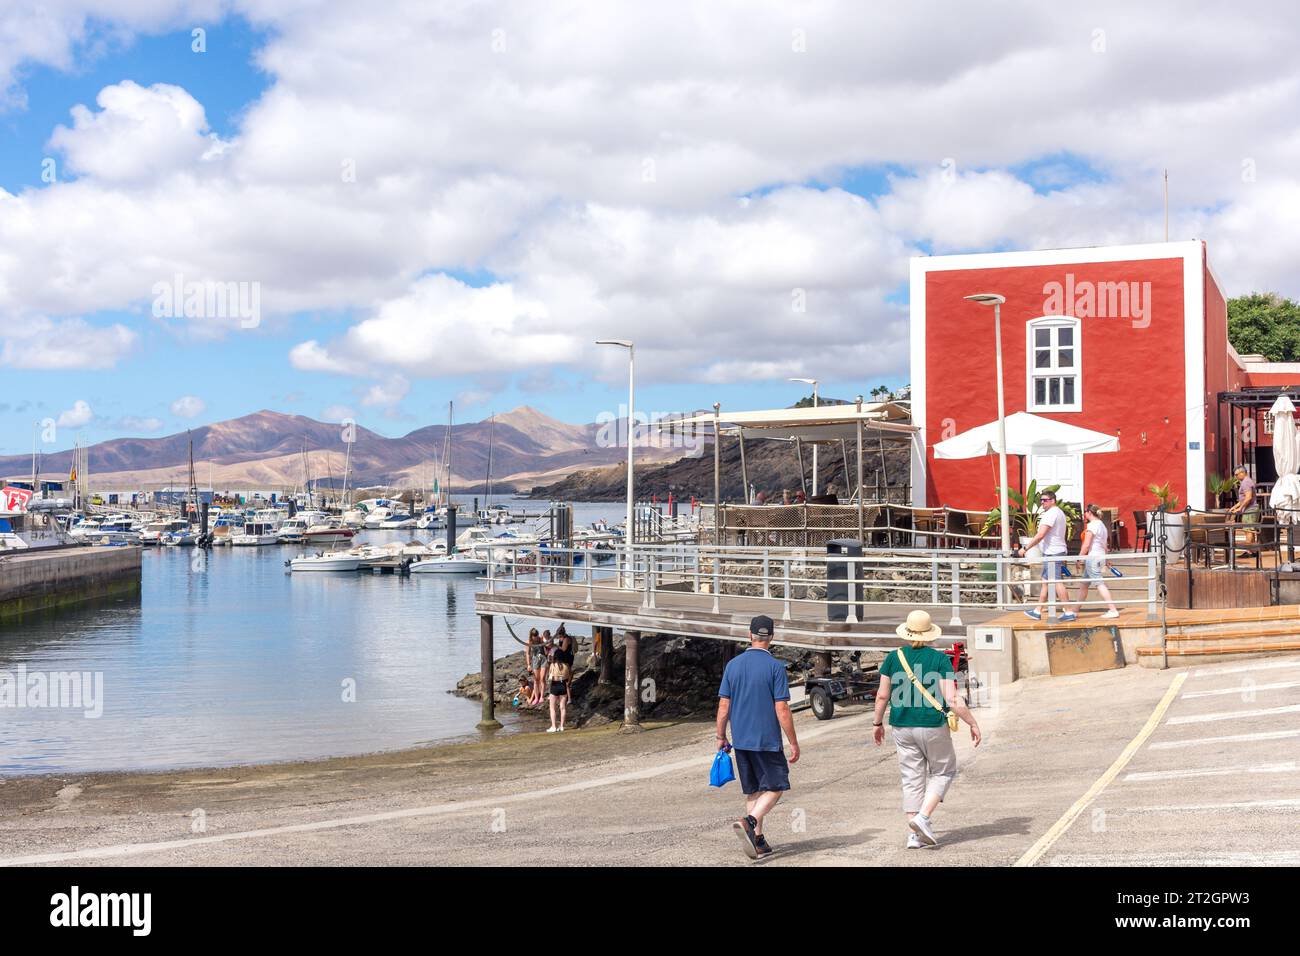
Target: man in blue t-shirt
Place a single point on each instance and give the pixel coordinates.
(755, 698)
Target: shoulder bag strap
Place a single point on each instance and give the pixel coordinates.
(919, 686)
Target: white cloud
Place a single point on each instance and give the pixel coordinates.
(338, 413)
(39, 342)
(78, 415)
(188, 406)
(132, 423)
(597, 177)
(386, 394)
(139, 134)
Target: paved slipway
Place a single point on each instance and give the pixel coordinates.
(1196, 766)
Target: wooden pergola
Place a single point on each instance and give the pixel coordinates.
(823, 424)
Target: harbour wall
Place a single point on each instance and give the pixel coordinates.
(38, 579)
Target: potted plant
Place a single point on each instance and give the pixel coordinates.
(1175, 521)
(1025, 512)
(1219, 487)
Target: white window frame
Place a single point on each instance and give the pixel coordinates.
(1031, 372)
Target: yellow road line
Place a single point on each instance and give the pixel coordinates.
(1035, 852)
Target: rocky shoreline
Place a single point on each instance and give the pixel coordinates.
(679, 676)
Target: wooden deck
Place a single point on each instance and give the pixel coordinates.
(689, 614)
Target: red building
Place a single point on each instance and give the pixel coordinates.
(1127, 340)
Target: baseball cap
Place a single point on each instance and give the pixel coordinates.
(761, 626)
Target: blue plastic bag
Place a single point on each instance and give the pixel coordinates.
(721, 773)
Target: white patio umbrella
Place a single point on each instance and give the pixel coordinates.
(1027, 435)
(1285, 496)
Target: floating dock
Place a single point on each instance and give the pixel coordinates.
(42, 578)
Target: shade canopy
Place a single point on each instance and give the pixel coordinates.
(1027, 435)
(825, 423)
(1286, 455)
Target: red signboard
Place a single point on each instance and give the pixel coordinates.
(15, 499)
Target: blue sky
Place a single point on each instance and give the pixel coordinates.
(246, 372)
(455, 201)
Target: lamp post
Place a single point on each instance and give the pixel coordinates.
(995, 300)
(631, 427)
(813, 383)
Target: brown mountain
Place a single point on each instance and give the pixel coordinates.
(267, 449)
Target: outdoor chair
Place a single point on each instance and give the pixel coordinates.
(1141, 535)
(975, 527)
(1205, 535)
(1253, 538)
(1110, 518)
(928, 524)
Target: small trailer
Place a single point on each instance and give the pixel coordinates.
(821, 694)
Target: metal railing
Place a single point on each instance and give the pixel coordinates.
(811, 585)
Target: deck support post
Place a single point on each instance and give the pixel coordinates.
(631, 683)
(606, 654)
(744, 470)
(488, 674)
(862, 531)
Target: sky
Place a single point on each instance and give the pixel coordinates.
(342, 210)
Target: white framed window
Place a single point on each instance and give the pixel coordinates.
(1055, 379)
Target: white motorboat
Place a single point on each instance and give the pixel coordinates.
(292, 530)
(226, 526)
(113, 530)
(450, 564)
(155, 531)
(327, 533)
(332, 561)
(428, 519)
(255, 533)
(382, 512)
(398, 522)
(180, 537)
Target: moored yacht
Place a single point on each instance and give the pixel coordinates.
(255, 533)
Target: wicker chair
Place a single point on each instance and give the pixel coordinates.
(929, 523)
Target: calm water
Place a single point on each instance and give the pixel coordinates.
(243, 663)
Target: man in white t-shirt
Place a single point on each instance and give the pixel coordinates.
(1051, 534)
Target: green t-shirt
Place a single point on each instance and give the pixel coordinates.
(907, 705)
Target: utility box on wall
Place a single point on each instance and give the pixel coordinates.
(992, 653)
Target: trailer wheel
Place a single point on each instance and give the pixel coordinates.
(823, 705)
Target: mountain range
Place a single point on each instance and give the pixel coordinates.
(268, 450)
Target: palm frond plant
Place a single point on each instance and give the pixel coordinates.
(1219, 487)
(1165, 497)
(1026, 510)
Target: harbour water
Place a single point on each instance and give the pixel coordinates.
(235, 661)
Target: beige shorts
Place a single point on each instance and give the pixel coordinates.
(927, 763)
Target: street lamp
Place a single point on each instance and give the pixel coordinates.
(631, 426)
(813, 383)
(995, 300)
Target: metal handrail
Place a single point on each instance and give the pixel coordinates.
(725, 570)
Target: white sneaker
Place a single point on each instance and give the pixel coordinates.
(551, 730)
(1111, 614)
(921, 827)
(913, 841)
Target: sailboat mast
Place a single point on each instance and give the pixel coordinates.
(194, 484)
(447, 460)
(347, 466)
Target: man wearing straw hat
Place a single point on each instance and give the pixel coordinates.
(913, 680)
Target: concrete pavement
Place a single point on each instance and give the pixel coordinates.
(1214, 782)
